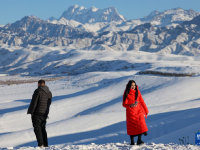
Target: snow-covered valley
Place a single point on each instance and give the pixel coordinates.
(87, 101)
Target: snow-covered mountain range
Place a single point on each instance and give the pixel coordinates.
(170, 17)
(173, 31)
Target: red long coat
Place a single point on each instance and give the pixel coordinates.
(135, 120)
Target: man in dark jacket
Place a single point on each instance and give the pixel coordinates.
(39, 110)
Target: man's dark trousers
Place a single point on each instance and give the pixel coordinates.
(39, 125)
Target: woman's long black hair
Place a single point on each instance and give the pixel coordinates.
(128, 87)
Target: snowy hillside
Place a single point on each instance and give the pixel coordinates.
(87, 101)
(43, 60)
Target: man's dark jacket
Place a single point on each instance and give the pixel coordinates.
(41, 101)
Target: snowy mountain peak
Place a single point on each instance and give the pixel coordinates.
(94, 9)
(51, 19)
(175, 15)
(30, 17)
(75, 6)
(174, 11)
(28, 20)
(153, 13)
(81, 8)
(92, 15)
(112, 8)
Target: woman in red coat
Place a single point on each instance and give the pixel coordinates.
(136, 109)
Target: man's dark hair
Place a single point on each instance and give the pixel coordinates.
(41, 82)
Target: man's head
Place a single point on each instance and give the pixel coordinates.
(41, 83)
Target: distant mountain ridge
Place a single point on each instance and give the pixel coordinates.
(140, 35)
(98, 20)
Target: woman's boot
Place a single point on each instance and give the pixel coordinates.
(139, 141)
(132, 140)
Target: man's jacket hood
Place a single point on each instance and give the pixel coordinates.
(44, 88)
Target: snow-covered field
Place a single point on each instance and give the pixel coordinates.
(87, 103)
(111, 146)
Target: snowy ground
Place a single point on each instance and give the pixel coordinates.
(112, 146)
(87, 103)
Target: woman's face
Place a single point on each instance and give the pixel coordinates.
(133, 86)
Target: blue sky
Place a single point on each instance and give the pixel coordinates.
(13, 10)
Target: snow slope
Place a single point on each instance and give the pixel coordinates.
(43, 60)
(87, 103)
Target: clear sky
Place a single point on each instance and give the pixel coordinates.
(13, 10)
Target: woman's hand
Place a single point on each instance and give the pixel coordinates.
(133, 105)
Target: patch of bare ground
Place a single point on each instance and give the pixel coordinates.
(32, 80)
(167, 73)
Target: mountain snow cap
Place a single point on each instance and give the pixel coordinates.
(94, 9)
